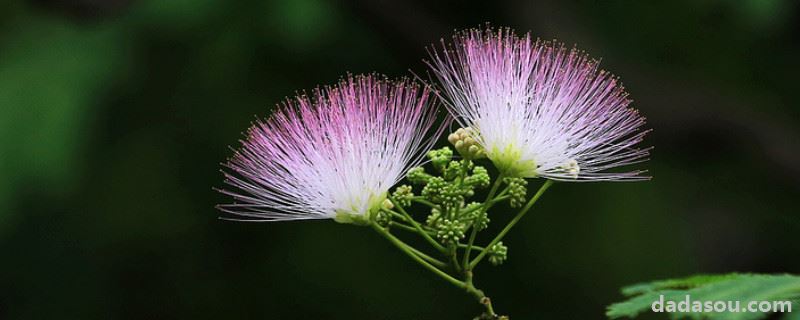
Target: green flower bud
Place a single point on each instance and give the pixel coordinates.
(450, 231)
(440, 157)
(517, 190)
(479, 217)
(417, 175)
(479, 178)
(453, 170)
(387, 204)
(402, 195)
(472, 206)
(433, 190)
(469, 193)
(466, 145)
(497, 253)
(452, 196)
(383, 218)
(433, 218)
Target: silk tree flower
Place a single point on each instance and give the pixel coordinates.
(332, 155)
(539, 109)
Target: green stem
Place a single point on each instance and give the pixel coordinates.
(474, 232)
(513, 221)
(428, 258)
(467, 252)
(420, 258)
(395, 214)
(405, 218)
(487, 205)
(425, 202)
(464, 246)
(405, 227)
(407, 250)
(496, 200)
(454, 259)
(472, 209)
(482, 298)
(431, 260)
(416, 225)
(486, 302)
(414, 255)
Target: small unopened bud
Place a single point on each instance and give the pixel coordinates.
(517, 190)
(497, 253)
(477, 151)
(453, 138)
(480, 220)
(387, 204)
(417, 175)
(440, 157)
(433, 218)
(433, 190)
(453, 170)
(479, 178)
(466, 145)
(383, 218)
(403, 195)
(450, 231)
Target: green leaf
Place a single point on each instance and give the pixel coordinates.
(683, 283)
(702, 288)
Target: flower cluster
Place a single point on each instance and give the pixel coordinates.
(530, 108)
(539, 109)
(334, 154)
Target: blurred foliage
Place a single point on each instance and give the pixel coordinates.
(50, 74)
(744, 288)
(115, 115)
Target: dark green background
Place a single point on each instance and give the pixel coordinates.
(115, 115)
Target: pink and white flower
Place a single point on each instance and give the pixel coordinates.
(334, 154)
(538, 108)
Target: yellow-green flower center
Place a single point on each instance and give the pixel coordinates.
(510, 163)
(354, 214)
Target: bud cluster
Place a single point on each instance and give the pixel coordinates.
(447, 191)
(440, 157)
(450, 231)
(417, 175)
(402, 195)
(452, 216)
(517, 190)
(383, 218)
(466, 145)
(480, 219)
(479, 178)
(497, 253)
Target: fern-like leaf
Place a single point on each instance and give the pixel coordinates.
(729, 287)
